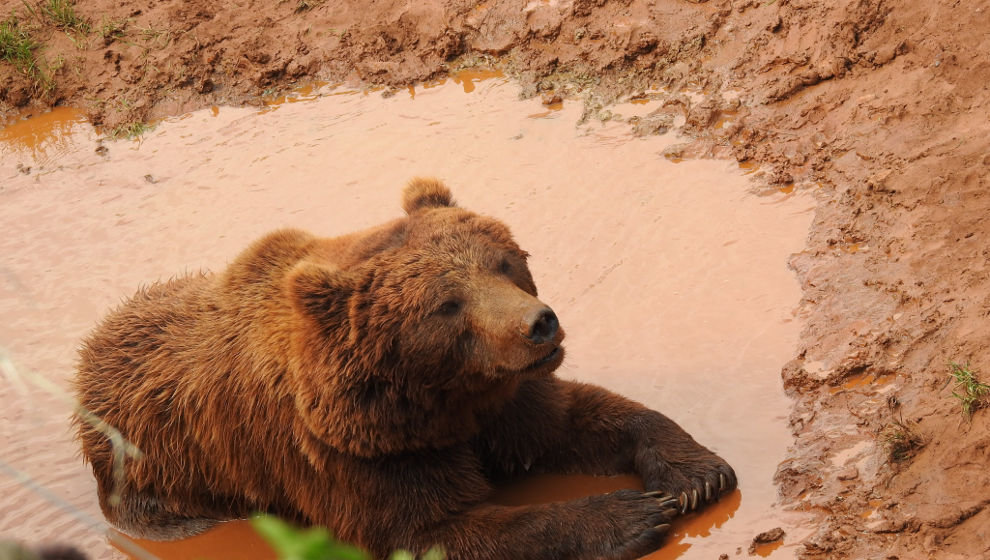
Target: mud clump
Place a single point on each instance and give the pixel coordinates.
(654, 123)
(772, 536)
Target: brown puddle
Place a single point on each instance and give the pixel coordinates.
(865, 380)
(229, 541)
(550, 110)
(749, 166)
(670, 279)
(552, 488)
(765, 550)
(40, 138)
(469, 78)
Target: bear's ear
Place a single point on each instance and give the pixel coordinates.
(320, 292)
(423, 193)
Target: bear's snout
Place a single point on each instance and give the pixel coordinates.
(543, 326)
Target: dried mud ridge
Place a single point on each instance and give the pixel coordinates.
(877, 107)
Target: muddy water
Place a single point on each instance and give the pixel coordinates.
(41, 139)
(670, 278)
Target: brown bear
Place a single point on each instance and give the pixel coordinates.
(378, 384)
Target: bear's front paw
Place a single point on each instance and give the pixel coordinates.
(635, 523)
(694, 478)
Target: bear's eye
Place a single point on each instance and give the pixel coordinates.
(449, 308)
(504, 267)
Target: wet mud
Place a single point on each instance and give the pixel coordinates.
(876, 109)
(671, 277)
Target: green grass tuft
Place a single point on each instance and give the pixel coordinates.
(63, 14)
(901, 441)
(129, 130)
(111, 29)
(899, 437)
(970, 391)
(17, 47)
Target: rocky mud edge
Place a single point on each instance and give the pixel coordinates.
(878, 108)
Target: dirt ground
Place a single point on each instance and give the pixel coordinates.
(877, 107)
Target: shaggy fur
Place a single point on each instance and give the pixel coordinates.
(377, 384)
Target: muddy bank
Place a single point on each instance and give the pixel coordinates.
(878, 108)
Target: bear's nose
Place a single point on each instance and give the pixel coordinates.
(544, 327)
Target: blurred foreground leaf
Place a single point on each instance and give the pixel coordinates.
(435, 553)
(317, 543)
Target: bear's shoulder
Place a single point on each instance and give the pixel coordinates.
(267, 260)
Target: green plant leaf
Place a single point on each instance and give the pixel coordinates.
(435, 553)
(303, 544)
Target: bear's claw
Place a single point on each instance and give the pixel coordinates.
(669, 503)
(666, 500)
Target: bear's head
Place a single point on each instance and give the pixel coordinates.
(417, 327)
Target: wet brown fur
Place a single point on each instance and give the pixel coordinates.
(376, 383)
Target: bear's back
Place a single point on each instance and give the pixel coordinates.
(200, 357)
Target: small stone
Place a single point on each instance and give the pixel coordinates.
(675, 152)
(848, 473)
(653, 124)
(551, 98)
(878, 179)
(781, 177)
(767, 537)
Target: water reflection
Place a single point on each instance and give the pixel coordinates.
(544, 488)
(37, 138)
